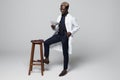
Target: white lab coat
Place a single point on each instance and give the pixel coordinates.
(71, 26)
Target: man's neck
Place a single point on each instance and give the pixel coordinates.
(65, 14)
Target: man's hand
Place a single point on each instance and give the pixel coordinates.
(53, 26)
(68, 34)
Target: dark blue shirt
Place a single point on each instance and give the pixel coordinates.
(62, 27)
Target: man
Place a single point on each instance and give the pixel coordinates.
(63, 31)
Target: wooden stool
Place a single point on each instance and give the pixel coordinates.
(38, 42)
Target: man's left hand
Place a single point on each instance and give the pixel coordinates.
(68, 34)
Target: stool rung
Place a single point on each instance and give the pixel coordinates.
(36, 60)
(36, 64)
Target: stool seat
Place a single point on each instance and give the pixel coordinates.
(38, 42)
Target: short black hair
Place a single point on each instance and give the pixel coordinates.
(66, 4)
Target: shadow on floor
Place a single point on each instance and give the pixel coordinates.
(79, 59)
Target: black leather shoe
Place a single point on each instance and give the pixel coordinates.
(46, 61)
(64, 72)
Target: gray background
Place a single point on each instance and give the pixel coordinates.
(95, 46)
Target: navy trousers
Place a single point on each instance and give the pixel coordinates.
(54, 39)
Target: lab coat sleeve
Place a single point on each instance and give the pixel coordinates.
(75, 26)
(57, 26)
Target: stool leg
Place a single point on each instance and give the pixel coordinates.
(41, 55)
(31, 58)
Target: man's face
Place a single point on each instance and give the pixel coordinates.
(63, 9)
